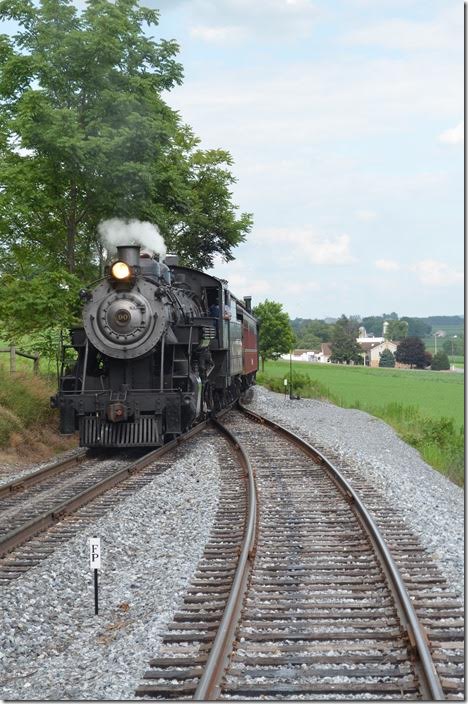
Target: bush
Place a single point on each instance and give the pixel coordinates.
(302, 385)
(387, 359)
(438, 440)
(440, 361)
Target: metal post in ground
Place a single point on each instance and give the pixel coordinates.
(12, 360)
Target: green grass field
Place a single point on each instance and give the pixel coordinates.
(426, 408)
(435, 394)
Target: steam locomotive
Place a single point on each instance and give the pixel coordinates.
(161, 347)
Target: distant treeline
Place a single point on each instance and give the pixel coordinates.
(310, 333)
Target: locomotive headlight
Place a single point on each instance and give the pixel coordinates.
(120, 271)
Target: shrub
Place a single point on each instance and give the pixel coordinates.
(387, 359)
(440, 361)
(302, 385)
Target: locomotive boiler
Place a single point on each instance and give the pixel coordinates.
(161, 347)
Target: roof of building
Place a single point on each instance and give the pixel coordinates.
(366, 346)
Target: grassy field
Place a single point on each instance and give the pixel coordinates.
(426, 408)
(435, 394)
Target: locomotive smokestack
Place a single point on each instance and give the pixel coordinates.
(129, 253)
(248, 303)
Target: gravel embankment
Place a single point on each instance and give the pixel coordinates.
(429, 502)
(54, 647)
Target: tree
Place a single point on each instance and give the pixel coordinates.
(440, 361)
(387, 359)
(311, 333)
(275, 335)
(48, 301)
(349, 325)
(85, 136)
(343, 344)
(417, 327)
(411, 351)
(193, 207)
(396, 330)
(454, 345)
(373, 324)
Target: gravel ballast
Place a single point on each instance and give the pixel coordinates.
(53, 647)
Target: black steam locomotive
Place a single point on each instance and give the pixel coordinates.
(161, 346)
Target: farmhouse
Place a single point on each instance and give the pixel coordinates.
(373, 349)
(310, 355)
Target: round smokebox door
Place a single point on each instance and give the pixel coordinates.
(124, 319)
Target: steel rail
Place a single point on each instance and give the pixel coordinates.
(36, 525)
(209, 685)
(417, 635)
(40, 474)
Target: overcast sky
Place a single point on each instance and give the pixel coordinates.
(345, 122)
(344, 119)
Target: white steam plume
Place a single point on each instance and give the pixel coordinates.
(116, 232)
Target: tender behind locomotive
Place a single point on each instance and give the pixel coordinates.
(160, 347)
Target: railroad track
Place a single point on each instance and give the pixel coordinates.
(47, 507)
(303, 598)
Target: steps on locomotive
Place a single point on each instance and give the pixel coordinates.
(180, 363)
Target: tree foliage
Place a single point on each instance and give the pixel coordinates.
(275, 335)
(454, 345)
(396, 330)
(373, 324)
(311, 333)
(47, 300)
(85, 135)
(417, 327)
(343, 344)
(440, 361)
(412, 351)
(387, 359)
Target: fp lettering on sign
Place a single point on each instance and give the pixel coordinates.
(95, 564)
(95, 553)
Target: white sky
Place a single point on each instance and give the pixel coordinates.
(344, 119)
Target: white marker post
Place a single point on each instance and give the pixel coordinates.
(285, 382)
(95, 564)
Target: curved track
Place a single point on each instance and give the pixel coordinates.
(318, 608)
